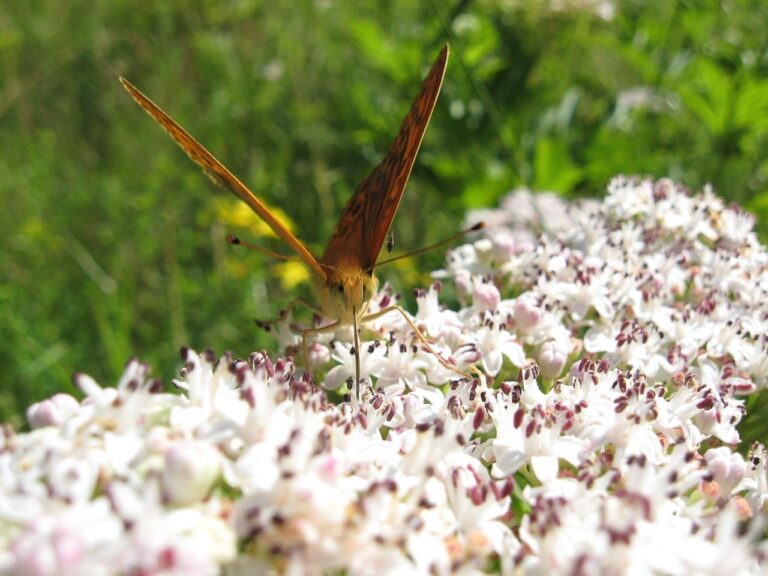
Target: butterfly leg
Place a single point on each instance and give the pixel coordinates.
(419, 334)
(332, 328)
(267, 324)
(357, 352)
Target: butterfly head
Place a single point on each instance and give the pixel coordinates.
(347, 291)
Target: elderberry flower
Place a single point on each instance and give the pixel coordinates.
(370, 356)
(494, 343)
(576, 413)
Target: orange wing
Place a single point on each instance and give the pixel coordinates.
(217, 172)
(369, 213)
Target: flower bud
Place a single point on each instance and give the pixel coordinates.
(319, 355)
(728, 468)
(552, 359)
(52, 411)
(191, 469)
(485, 296)
(527, 314)
(462, 282)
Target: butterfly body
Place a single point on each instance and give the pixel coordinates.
(346, 291)
(343, 276)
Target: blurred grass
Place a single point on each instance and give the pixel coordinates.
(113, 243)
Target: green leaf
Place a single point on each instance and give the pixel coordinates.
(709, 96)
(554, 170)
(751, 108)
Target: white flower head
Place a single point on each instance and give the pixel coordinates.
(576, 412)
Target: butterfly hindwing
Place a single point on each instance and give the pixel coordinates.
(366, 219)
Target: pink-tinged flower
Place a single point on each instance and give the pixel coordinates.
(727, 468)
(319, 355)
(462, 283)
(52, 411)
(485, 296)
(81, 539)
(527, 314)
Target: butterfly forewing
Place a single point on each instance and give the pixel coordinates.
(221, 175)
(366, 219)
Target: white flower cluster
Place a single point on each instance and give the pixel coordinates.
(609, 345)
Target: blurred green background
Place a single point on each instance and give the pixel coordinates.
(113, 242)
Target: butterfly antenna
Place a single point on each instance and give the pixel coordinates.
(475, 228)
(236, 241)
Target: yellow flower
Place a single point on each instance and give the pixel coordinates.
(234, 213)
(291, 273)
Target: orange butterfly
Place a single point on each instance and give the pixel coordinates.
(344, 279)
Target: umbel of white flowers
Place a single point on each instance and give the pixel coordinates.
(614, 342)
